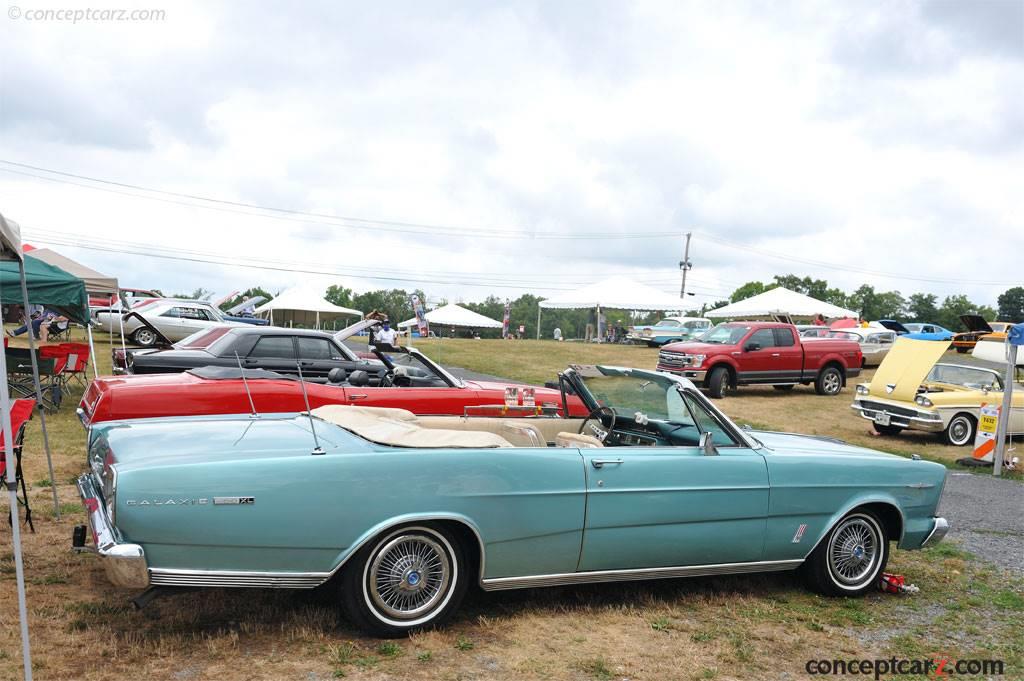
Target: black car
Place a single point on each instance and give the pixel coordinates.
(272, 348)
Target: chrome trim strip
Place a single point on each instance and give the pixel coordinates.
(593, 576)
(939, 531)
(224, 578)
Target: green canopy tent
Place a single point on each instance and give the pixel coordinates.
(46, 285)
(41, 284)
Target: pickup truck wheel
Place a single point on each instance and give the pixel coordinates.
(848, 561)
(784, 387)
(718, 382)
(960, 431)
(144, 337)
(830, 381)
(407, 579)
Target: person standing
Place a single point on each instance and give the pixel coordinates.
(385, 334)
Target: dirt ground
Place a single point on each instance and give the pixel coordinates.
(749, 627)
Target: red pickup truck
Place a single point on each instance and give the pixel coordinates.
(762, 353)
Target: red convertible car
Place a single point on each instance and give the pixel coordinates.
(412, 382)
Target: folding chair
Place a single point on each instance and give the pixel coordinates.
(21, 412)
(78, 363)
(19, 370)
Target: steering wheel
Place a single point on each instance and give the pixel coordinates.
(605, 416)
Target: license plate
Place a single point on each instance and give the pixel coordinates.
(882, 419)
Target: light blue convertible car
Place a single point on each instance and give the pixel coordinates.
(403, 512)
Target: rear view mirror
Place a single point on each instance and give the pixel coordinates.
(750, 347)
(707, 444)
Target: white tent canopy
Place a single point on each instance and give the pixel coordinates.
(95, 282)
(780, 300)
(615, 292)
(302, 307)
(455, 315)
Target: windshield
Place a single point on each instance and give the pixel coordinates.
(696, 325)
(657, 399)
(914, 328)
(725, 334)
(968, 377)
(667, 322)
(203, 339)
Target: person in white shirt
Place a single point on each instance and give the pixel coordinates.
(385, 334)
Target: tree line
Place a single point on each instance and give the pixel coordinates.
(865, 300)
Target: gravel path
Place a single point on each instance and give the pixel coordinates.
(986, 515)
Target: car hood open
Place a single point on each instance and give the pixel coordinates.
(975, 322)
(904, 369)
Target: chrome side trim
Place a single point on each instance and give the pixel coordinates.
(502, 583)
(939, 531)
(219, 578)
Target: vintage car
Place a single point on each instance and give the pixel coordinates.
(929, 332)
(161, 321)
(978, 328)
(910, 391)
(669, 330)
(403, 512)
(273, 348)
(400, 377)
(874, 343)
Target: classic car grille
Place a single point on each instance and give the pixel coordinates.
(878, 406)
(674, 360)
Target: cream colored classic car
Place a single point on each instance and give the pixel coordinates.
(910, 391)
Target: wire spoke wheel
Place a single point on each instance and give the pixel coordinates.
(409, 576)
(854, 551)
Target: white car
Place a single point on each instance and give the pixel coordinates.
(173, 319)
(875, 342)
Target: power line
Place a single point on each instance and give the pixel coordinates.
(849, 268)
(272, 212)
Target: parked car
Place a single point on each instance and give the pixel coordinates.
(930, 332)
(401, 378)
(162, 321)
(977, 328)
(402, 513)
(874, 343)
(272, 348)
(910, 391)
(669, 330)
(762, 353)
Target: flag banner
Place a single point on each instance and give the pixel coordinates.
(421, 316)
(506, 319)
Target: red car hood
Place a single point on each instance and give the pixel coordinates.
(694, 348)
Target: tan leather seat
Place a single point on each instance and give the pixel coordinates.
(577, 440)
(543, 430)
(399, 428)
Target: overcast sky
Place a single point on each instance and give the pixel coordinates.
(883, 137)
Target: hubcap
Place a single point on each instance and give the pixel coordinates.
(145, 337)
(853, 551)
(959, 431)
(832, 383)
(409, 576)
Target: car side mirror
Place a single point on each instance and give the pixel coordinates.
(750, 347)
(707, 444)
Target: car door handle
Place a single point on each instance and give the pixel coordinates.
(600, 463)
(358, 396)
(775, 354)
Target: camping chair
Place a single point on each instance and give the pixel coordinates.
(59, 331)
(64, 361)
(19, 378)
(78, 363)
(21, 412)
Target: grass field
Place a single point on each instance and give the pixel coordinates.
(750, 627)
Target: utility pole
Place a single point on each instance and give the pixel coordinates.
(685, 265)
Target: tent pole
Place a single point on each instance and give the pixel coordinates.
(92, 349)
(120, 320)
(1002, 426)
(597, 325)
(538, 321)
(39, 394)
(12, 489)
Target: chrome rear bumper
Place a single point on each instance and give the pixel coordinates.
(125, 564)
(939, 530)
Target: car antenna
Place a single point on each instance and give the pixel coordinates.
(252, 405)
(317, 449)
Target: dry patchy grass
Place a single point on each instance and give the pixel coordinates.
(749, 627)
